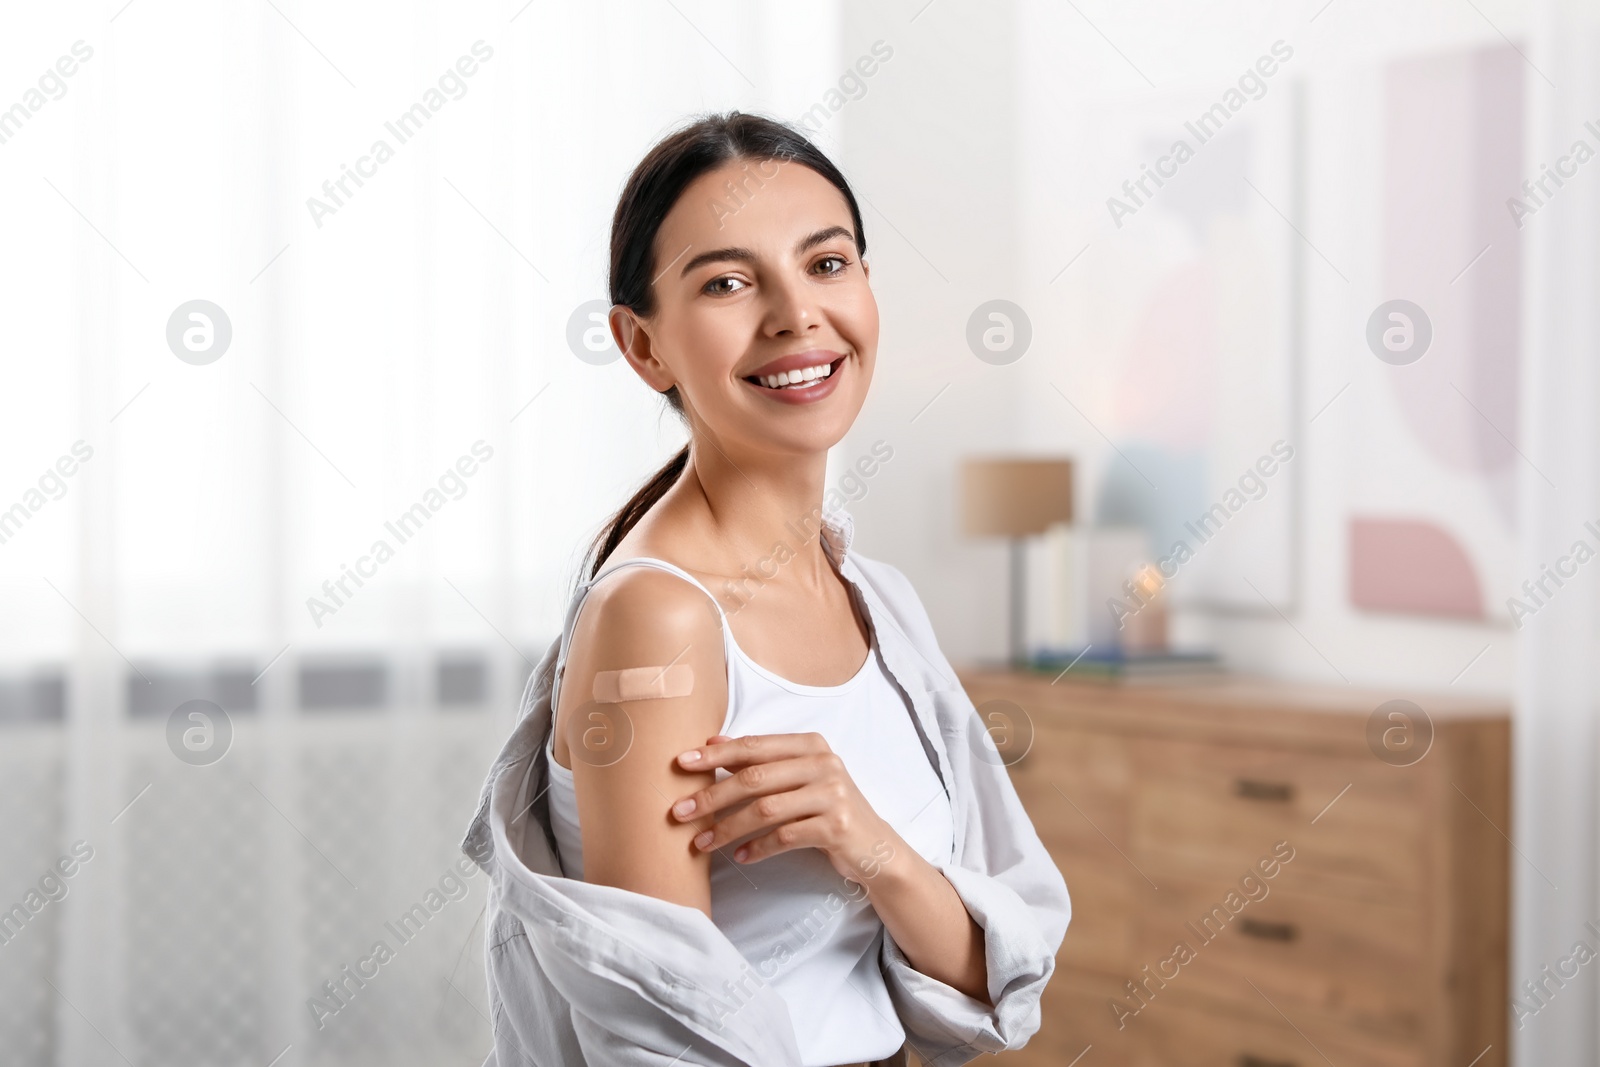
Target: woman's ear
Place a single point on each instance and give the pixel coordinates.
(633, 339)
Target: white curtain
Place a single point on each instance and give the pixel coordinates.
(379, 329)
(1556, 892)
(399, 322)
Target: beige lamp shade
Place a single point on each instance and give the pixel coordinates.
(1016, 497)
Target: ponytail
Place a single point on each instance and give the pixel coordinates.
(630, 514)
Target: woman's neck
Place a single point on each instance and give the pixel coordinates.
(752, 517)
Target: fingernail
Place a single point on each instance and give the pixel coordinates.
(683, 807)
(741, 852)
(702, 841)
(691, 756)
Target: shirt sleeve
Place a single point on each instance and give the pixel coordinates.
(1014, 892)
(1003, 874)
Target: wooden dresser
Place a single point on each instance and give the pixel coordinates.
(1265, 874)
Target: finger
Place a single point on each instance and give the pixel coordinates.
(804, 833)
(752, 748)
(764, 813)
(751, 780)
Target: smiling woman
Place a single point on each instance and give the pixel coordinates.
(793, 247)
(801, 784)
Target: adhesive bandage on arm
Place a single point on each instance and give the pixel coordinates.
(644, 683)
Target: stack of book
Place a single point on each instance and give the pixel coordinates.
(1114, 664)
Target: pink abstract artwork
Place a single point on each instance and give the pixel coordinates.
(1403, 565)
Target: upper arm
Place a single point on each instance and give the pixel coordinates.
(623, 755)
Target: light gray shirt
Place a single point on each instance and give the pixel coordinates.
(592, 974)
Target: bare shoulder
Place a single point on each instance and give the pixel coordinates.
(646, 617)
(646, 605)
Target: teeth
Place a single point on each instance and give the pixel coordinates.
(794, 377)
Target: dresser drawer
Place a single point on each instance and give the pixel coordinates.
(1177, 1035)
(1383, 939)
(1075, 785)
(1321, 960)
(1101, 933)
(1083, 835)
(1090, 821)
(1211, 811)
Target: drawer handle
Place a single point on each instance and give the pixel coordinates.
(1245, 1059)
(1268, 931)
(1255, 789)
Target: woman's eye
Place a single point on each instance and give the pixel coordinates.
(724, 285)
(839, 264)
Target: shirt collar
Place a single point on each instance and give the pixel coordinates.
(838, 530)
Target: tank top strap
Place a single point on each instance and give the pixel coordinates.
(662, 565)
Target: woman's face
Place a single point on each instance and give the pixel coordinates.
(756, 275)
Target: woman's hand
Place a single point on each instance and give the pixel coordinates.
(794, 787)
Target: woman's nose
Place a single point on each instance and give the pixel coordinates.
(793, 309)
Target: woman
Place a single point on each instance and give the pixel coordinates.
(788, 769)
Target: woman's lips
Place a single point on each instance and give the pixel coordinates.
(808, 393)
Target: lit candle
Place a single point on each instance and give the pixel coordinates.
(1145, 630)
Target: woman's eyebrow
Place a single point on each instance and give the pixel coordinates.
(736, 252)
(716, 255)
(822, 236)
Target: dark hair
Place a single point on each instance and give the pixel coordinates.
(652, 189)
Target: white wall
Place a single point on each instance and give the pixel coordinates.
(1008, 198)
(932, 151)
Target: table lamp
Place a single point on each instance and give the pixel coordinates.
(1015, 498)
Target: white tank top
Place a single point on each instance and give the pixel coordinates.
(804, 930)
